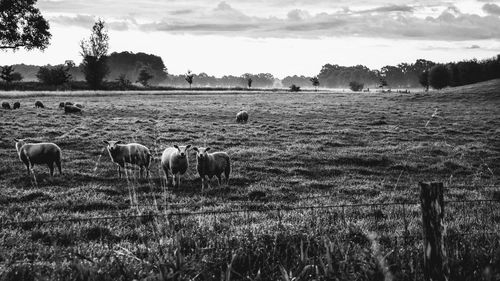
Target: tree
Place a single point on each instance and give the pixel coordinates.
(249, 82)
(7, 73)
(16, 76)
(94, 53)
(123, 82)
(54, 76)
(438, 77)
(355, 86)
(423, 79)
(294, 88)
(315, 82)
(144, 77)
(189, 78)
(22, 26)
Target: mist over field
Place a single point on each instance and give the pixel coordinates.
(249, 140)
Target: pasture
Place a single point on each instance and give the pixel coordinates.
(297, 150)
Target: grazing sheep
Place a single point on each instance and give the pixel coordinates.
(79, 105)
(242, 117)
(17, 105)
(5, 105)
(175, 160)
(69, 103)
(39, 104)
(133, 153)
(212, 164)
(71, 109)
(39, 153)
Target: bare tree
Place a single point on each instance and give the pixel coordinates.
(189, 78)
(94, 52)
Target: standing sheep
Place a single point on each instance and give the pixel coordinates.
(175, 160)
(17, 105)
(133, 153)
(5, 105)
(242, 117)
(39, 153)
(39, 104)
(212, 164)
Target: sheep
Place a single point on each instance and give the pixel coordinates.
(39, 153)
(133, 153)
(17, 105)
(176, 161)
(68, 103)
(242, 117)
(78, 105)
(39, 104)
(5, 105)
(71, 109)
(61, 105)
(212, 164)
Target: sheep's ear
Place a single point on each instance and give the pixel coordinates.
(175, 145)
(16, 140)
(105, 141)
(195, 149)
(118, 142)
(188, 146)
(207, 149)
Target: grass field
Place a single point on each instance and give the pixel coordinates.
(356, 148)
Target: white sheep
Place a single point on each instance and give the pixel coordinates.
(133, 153)
(175, 160)
(39, 153)
(212, 164)
(242, 117)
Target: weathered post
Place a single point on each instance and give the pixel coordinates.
(432, 204)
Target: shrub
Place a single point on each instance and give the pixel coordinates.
(356, 86)
(438, 77)
(55, 76)
(294, 88)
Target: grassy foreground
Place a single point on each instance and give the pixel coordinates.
(356, 148)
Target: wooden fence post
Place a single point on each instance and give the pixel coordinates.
(432, 204)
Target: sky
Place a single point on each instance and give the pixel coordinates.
(281, 37)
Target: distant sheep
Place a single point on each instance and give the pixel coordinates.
(212, 164)
(79, 105)
(39, 153)
(175, 160)
(71, 109)
(61, 105)
(133, 153)
(5, 105)
(69, 103)
(17, 105)
(39, 104)
(242, 117)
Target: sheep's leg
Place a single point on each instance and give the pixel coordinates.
(51, 168)
(28, 169)
(178, 180)
(219, 179)
(141, 172)
(58, 164)
(165, 170)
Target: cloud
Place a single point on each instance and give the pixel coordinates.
(492, 9)
(473, 47)
(87, 21)
(395, 22)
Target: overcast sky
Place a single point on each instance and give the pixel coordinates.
(282, 37)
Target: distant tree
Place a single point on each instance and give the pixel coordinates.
(382, 83)
(438, 77)
(123, 82)
(249, 82)
(16, 76)
(355, 86)
(69, 63)
(144, 77)
(315, 82)
(131, 64)
(55, 76)
(423, 79)
(22, 26)
(189, 78)
(294, 88)
(7, 73)
(94, 52)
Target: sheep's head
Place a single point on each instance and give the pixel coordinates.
(19, 143)
(183, 150)
(112, 145)
(201, 152)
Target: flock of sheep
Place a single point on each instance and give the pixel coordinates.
(68, 107)
(174, 160)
